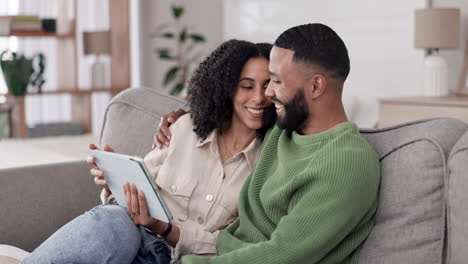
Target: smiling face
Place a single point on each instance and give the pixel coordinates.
(287, 89)
(249, 101)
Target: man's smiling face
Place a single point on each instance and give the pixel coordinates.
(286, 88)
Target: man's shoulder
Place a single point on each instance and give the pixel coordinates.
(273, 133)
(350, 142)
(350, 154)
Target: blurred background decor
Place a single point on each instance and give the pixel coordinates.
(435, 29)
(463, 86)
(19, 72)
(97, 43)
(181, 51)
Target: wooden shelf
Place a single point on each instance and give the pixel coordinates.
(428, 100)
(75, 91)
(81, 100)
(394, 111)
(41, 34)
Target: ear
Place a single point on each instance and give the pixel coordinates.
(318, 84)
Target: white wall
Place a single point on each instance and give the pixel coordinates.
(378, 34)
(204, 16)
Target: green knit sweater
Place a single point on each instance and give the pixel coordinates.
(310, 199)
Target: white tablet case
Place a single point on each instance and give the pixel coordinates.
(119, 169)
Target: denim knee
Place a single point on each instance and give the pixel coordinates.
(116, 223)
(105, 234)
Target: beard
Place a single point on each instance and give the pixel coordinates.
(296, 112)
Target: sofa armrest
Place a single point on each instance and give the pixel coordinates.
(37, 200)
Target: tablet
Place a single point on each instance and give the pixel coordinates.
(119, 169)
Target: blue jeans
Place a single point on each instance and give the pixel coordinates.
(105, 234)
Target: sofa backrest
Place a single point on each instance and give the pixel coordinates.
(132, 117)
(411, 219)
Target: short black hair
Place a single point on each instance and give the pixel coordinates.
(212, 87)
(317, 44)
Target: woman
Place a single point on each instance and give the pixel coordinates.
(199, 175)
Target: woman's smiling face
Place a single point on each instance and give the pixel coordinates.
(249, 101)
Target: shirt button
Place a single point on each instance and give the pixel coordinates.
(209, 198)
(200, 220)
(173, 188)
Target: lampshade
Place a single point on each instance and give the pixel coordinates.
(96, 43)
(437, 28)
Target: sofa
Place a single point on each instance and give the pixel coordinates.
(423, 207)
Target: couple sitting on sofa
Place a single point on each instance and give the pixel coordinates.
(310, 198)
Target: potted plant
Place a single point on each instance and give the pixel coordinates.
(181, 53)
(18, 72)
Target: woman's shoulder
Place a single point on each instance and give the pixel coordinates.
(183, 127)
(184, 121)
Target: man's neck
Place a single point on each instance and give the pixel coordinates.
(320, 121)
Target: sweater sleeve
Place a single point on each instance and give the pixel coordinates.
(322, 212)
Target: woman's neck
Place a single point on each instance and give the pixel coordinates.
(234, 139)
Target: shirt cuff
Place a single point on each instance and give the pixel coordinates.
(189, 244)
(181, 248)
(107, 199)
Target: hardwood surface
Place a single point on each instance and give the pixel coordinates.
(394, 111)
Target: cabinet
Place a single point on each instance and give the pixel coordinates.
(394, 111)
(81, 99)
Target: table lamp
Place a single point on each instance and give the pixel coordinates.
(97, 43)
(436, 28)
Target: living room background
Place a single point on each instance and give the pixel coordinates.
(378, 33)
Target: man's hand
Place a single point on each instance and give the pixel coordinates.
(96, 172)
(163, 134)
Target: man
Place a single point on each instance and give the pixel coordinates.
(313, 193)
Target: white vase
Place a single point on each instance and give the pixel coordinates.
(98, 75)
(435, 76)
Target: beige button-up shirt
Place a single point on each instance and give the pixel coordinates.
(200, 191)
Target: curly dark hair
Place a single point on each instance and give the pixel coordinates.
(213, 85)
(317, 44)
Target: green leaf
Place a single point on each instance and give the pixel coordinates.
(177, 11)
(156, 33)
(165, 54)
(167, 35)
(170, 75)
(183, 35)
(177, 89)
(197, 37)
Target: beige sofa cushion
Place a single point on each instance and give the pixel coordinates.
(10, 254)
(8, 260)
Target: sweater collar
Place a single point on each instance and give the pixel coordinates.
(325, 135)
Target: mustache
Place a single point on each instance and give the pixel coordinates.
(275, 99)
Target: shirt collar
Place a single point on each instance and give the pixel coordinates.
(250, 152)
(209, 139)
